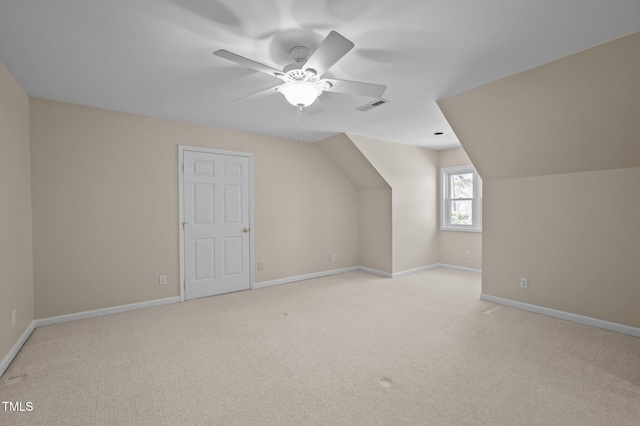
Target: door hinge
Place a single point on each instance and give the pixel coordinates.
(183, 167)
(183, 225)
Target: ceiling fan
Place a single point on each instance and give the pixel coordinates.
(303, 81)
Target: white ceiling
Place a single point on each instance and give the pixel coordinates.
(154, 57)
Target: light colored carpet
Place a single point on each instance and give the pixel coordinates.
(351, 349)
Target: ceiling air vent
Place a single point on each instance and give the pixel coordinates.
(373, 104)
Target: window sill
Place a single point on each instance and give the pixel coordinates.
(461, 229)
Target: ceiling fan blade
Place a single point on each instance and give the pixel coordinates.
(356, 88)
(315, 108)
(249, 63)
(260, 94)
(328, 53)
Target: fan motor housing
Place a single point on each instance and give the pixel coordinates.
(300, 53)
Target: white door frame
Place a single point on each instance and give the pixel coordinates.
(181, 150)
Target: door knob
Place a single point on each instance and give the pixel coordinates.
(245, 230)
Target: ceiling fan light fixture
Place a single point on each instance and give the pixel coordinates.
(300, 93)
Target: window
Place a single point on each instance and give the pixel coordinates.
(461, 203)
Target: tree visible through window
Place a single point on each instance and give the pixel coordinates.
(461, 199)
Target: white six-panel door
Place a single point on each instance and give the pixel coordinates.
(216, 223)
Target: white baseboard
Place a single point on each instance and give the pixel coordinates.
(460, 268)
(105, 311)
(304, 277)
(78, 316)
(363, 269)
(375, 272)
(420, 269)
(415, 270)
(581, 319)
(16, 348)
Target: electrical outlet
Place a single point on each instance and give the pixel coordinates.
(524, 283)
(13, 317)
(333, 257)
(163, 279)
(260, 266)
(468, 254)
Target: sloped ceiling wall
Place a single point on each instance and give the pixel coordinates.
(579, 113)
(352, 162)
(374, 202)
(412, 174)
(397, 198)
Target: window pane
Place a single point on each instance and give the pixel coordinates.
(462, 185)
(462, 212)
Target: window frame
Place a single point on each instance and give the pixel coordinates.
(445, 199)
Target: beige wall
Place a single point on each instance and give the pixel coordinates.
(412, 174)
(16, 264)
(454, 244)
(105, 206)
(558, 150)
(376, 239)
(573, 236)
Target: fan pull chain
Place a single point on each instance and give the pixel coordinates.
(299, 114)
